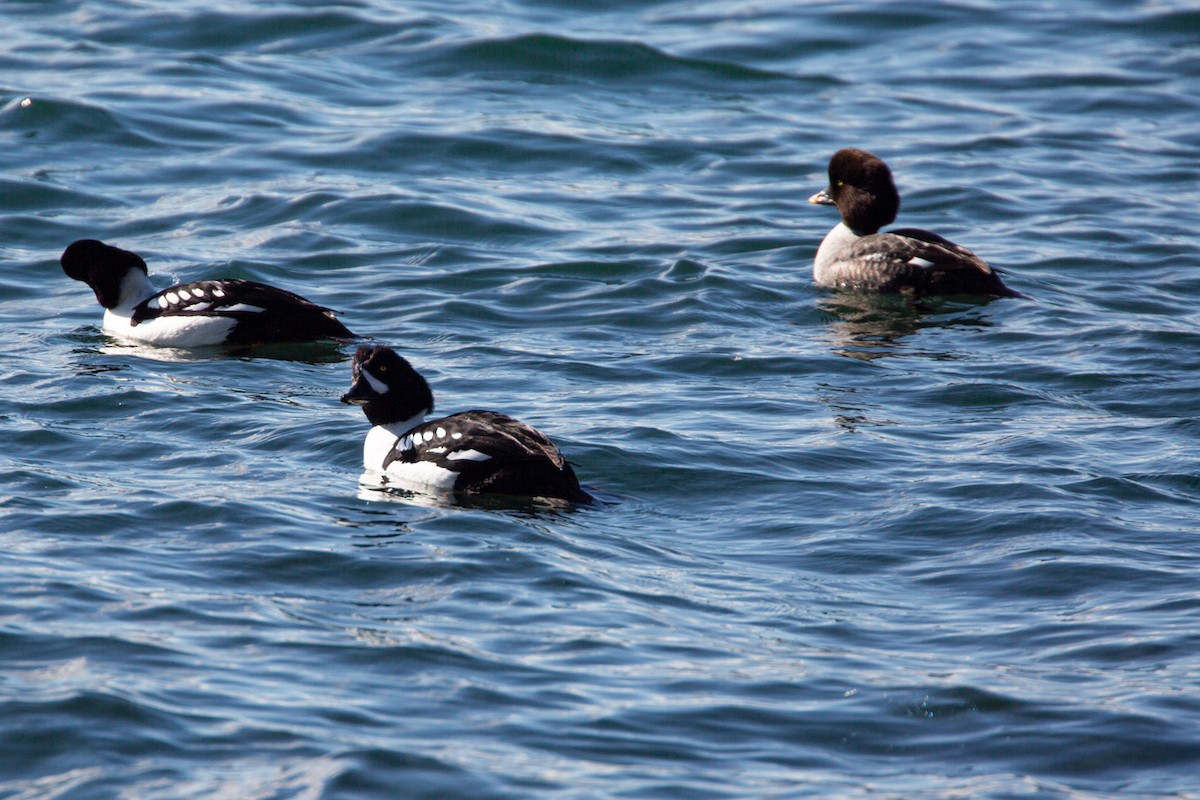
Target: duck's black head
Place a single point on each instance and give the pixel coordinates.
(861, 187)
(386, 386)
(101, 266)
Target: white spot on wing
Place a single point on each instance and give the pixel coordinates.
(184, 294)
(456, 435)
(441, 432)
(218, 291)
(243, 307)
(172, 298)
(924, 263)
(468, 455)
(427, 435)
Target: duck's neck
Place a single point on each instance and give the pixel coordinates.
(135, 287)
(402, 427)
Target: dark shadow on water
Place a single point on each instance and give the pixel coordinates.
(867, 326)
(321, 351)
(851, 409)
(92, 341)
(522, 506)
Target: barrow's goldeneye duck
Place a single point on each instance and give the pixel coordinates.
(855, 255)
(471, 452)
(215, 312)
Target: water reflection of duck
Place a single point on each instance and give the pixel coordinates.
(867, 326)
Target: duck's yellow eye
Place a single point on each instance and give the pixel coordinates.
(383, 367)
(841, 183)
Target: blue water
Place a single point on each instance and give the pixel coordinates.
(844, 547)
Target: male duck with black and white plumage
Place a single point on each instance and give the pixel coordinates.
(470, 453)
(202, 313)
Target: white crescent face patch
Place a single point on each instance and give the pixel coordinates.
(379, 386)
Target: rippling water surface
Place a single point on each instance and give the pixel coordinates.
(844, 547)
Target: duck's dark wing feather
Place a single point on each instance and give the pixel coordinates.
(944, 253)
(263, 313)
(491, 452)
(921, 262)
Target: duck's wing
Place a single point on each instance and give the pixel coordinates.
(475, 437)
(939, 251)
(918, 262)
(489, 452)
(263, 312)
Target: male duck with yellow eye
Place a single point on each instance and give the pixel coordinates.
(471, 452)
(914, 262)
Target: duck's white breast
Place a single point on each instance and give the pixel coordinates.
(179, 331)
(418, 475)
(833, 247)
